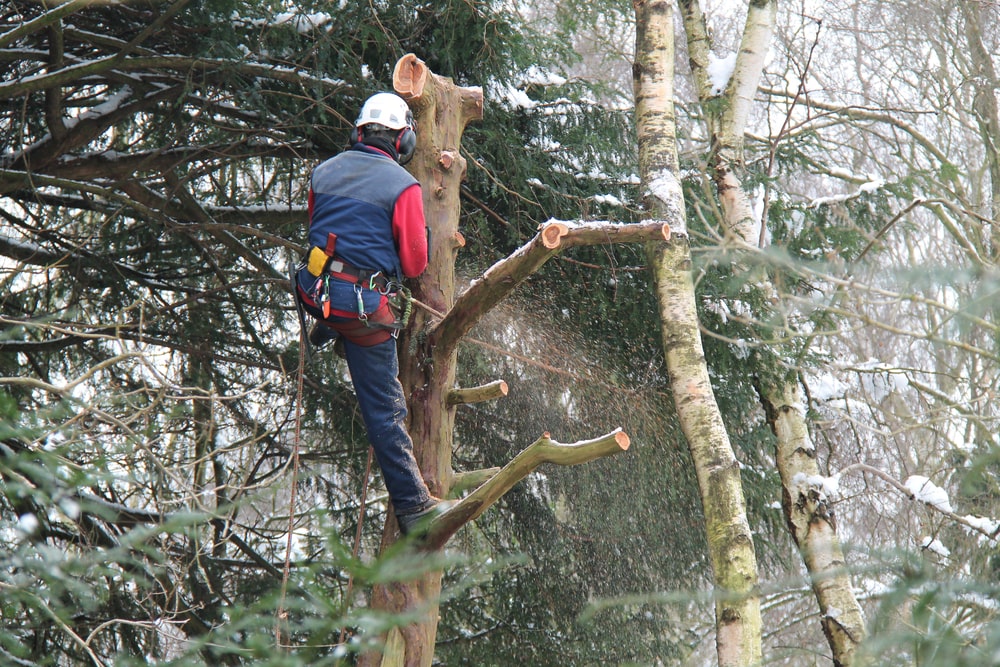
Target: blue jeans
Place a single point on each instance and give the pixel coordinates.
(374, 371)
(375, 374)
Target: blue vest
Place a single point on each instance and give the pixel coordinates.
(354, 194)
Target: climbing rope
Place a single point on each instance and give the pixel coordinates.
(357, 539)
(281, 615)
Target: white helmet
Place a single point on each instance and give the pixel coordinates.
(386, 109)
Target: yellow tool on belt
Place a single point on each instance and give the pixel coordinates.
(317, 261)
(319, 258)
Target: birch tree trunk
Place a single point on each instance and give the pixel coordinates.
(734, 563)
(810, 518)
(813, 524)
(727, 126)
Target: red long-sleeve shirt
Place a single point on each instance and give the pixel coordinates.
(410, 231)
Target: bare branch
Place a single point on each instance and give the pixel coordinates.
(543, 450)
(504, 276)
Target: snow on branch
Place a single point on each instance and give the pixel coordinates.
(922, 489)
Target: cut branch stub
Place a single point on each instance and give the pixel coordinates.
(446, 159)
(486, 392)
(600, 233)
(409, 80)
(409, 77)
(543, 450)
(556, 234)
(552, 234)
(504, 276)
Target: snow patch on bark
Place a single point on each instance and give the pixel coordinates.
(827, 487)
(664, 186)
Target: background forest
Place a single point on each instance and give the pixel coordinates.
(154, 161)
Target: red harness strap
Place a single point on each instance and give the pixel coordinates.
(359, 332)
(367, 332)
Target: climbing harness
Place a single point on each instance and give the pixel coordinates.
(359, 324)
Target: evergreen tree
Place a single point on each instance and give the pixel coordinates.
(154, 182)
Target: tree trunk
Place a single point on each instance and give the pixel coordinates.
(812, 523)
(429, 349)
(442, 111)
(734, 563)
(727, 127)
(807, 512)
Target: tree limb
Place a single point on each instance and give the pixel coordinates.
(43, 21)
(543, 450)
(902, 488)
(486, 392)
(504, 276)
(179, 63)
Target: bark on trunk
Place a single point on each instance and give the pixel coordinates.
(812, 523)
(807, 512)
(442, 111)
(727, 127)
(734, 563)
(429, 347)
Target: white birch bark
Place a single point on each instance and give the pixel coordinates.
(734, 563)
(807, 510)
(728, 127)
(813, 524)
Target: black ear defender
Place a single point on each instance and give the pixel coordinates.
(406, 144)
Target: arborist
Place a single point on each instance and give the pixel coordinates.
(366, 234)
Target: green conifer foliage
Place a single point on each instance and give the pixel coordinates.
(153, 169)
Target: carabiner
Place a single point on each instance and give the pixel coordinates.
(375, 288)
(362, 315)
(324, 298)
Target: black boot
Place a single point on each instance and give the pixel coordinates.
(415, 521)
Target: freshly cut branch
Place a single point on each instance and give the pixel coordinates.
(486, 392)
(543, 450)
(562, 235)
(409, 76)
(504, 276)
